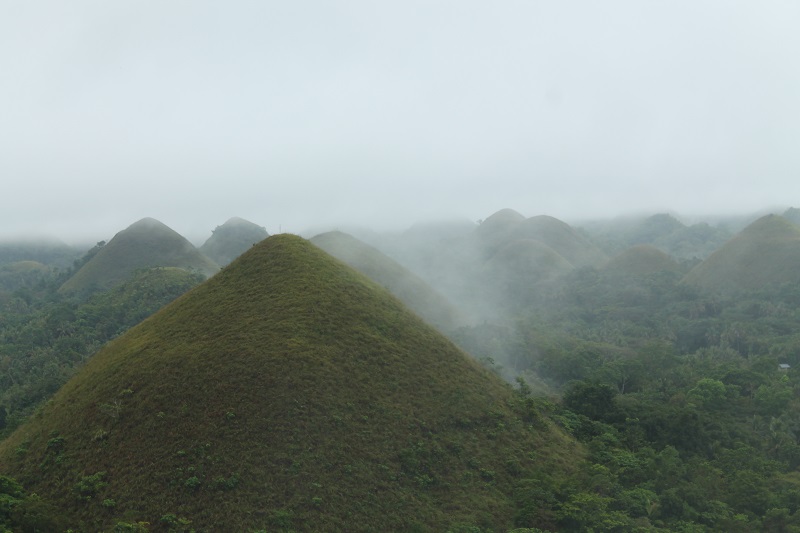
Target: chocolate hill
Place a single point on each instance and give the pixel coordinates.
(232, 239)
(288, 392)
(766, 252)
(145, 244)
(405, 285)
(641, 260)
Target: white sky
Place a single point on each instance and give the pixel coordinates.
(306, 113)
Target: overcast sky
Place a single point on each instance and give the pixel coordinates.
(310, 113)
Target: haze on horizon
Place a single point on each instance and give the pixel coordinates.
(311, 114)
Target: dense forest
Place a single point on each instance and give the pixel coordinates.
(684, 400)
(46, 335)
(688, 403)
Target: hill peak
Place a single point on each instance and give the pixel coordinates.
(504, 216)
(771, 226)
(765, 252)
(146, 243)
(287, 386)
(238, 221)
(230, 240)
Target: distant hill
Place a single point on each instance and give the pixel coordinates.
(230, 240)
(499, 225)
(562, 238)
(641, 260)
(289, 392)
(49, 252)
(653, 228)
(663, 231)
(22, 274)
(506, 226)
(528, 259)
(765, 252)
(520, 270)
(145, 244)
(408, 287)
(792, 215)
(697, 241)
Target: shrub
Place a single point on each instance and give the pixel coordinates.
(88, 487)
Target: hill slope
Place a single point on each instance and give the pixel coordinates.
(641, 260)
(765, 252)
(232, 239)
(562, 238)
(408, 287)
(145, 244)
(288, 392)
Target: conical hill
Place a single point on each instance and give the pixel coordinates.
(405, 285)
(288, 392)
(507, 226)
(230, 240)
(641, 260)
(499, 225)
(562, 238)
(766, 252)
(147, 243)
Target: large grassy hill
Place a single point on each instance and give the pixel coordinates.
(766, 252)
(145, 244)
(408, 287)
(289, 392)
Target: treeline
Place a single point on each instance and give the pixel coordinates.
(45, 336)
(688, 403)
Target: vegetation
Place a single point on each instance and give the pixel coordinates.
(145, 244)
(690, 422)
(232, 239)
(45, 336)
(289, 393)
(766, 252)
(409, 288)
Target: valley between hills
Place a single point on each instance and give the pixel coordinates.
(512, 374)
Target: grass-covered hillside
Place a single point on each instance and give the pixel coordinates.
(289, 392)
(230, 240)
(767, 252)
(408, 287)
(145, 244)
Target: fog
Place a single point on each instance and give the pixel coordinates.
(320, 114)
